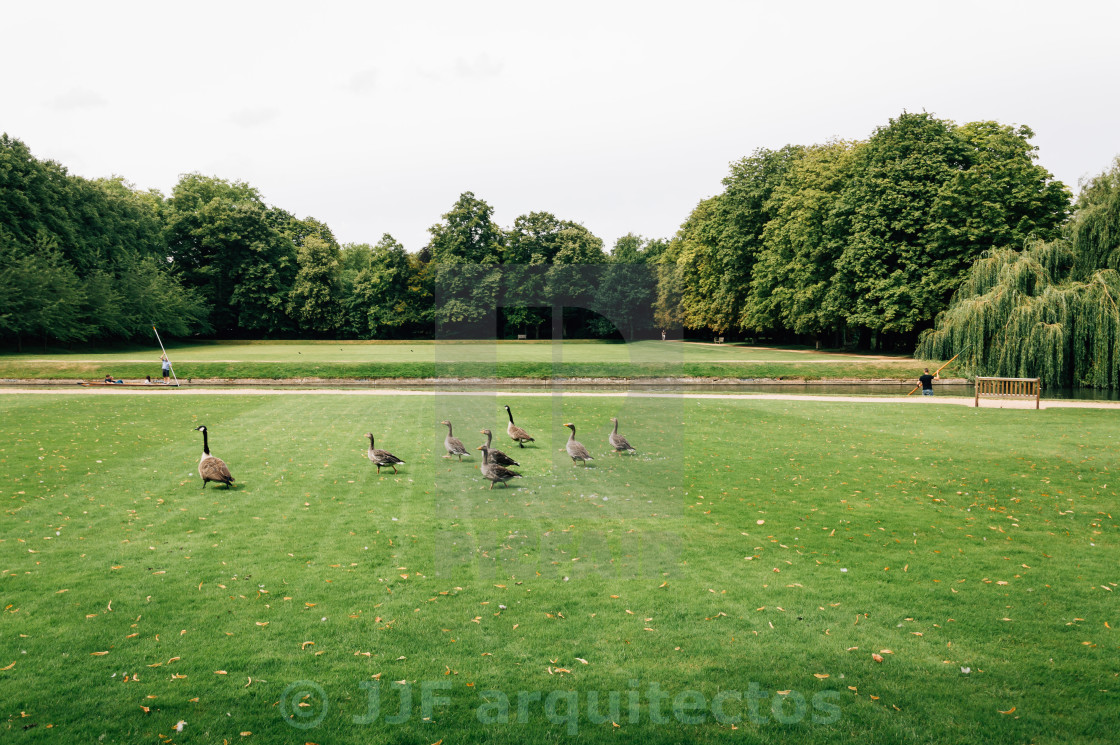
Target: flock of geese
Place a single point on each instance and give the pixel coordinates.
(495, 465)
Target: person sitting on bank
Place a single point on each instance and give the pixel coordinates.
(148, 380)
(926, 381)
(108, 379)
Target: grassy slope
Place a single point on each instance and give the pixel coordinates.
(456, 359)
(948, 520)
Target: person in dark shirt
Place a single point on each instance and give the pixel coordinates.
(926, 381)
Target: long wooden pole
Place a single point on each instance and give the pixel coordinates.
(168, 358)
(958, 354)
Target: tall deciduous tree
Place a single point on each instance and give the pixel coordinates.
(315, 298)
(222, 241)
(530, 247)
(628, 288)
(801, 242)
(387, 298)
(722, 240)
(465, 251)
(927, 199)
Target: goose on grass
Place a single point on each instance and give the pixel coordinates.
(497, 456)
(576, 451)
(453, 444)
(617, 441)
(382, 457)
(492, 471)
(211, 467)
(517, 434)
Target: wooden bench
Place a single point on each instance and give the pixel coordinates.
(718, 340)
(522, 336)
(1022, 389)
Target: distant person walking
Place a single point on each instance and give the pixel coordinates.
(926, 382)
(166, 364)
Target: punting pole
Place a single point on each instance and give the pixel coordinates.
(168, 358)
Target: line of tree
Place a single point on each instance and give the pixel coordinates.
(857, 243)
(844, 243)
(83, 259)
(100, 260)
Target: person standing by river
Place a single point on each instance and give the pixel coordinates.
(926, 382)
(166, 365)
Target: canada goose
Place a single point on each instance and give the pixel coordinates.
(515, 432)
(617, 441)
(382, 457)
(497, 456)
(576, 450)
(212, 468)
(492, 471)
(453, 444)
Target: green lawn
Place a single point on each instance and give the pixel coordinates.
(460, 359)
(749, 548)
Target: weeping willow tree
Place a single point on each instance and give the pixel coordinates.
(1049, 311)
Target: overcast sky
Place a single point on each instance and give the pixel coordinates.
(375, 116)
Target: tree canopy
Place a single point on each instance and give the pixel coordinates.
(1049, 310)
(843, 243)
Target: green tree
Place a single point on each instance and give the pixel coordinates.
(222, 241)
(928, 197)
(465, 251)
(529, 249)
(722, 239)
(571, 280)
(1047, 311)
(98, 242)
(627, 288)
(801, 243)
(383, 301)
(314, 301)
(41, 295)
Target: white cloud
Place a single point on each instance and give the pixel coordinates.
(77, 98)
(254, 116)
(363, 81)
(481, 66)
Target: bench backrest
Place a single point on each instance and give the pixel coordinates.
(1016, 388)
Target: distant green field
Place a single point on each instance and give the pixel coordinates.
(737, 580)
(461, 359)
